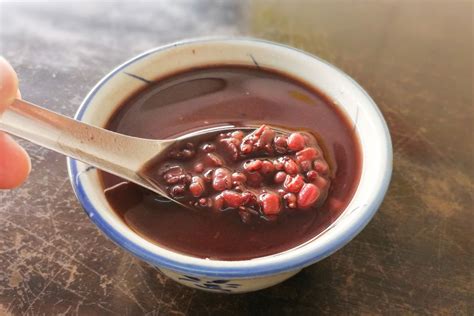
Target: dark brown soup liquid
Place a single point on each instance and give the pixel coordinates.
(239, 96)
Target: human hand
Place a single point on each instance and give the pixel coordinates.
(15, 163)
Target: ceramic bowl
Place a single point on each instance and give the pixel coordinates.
(258, 273)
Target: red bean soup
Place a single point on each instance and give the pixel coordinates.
(284, 166)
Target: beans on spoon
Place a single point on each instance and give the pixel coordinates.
(260, 174)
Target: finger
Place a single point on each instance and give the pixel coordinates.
(15, 164)
(8, 84)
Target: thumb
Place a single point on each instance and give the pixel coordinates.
(15, 164)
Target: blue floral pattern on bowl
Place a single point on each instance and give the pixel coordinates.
(220, 285)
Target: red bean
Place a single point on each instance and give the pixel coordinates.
(266, 138)
(248, 197)
(293, 184)
(173, 169)
(182, 154)
(306, 165)
(186, 179)
(280, 177)
(320, 182)
(187, 154)
(281, 144)
(174, 174)
(254, 179)
(261, 138)
(279, 164)
(213, 160)
(204, 202)
(321, 166)
(281, 141)
(311, 175)
(218, 202)
(291, 167)
(230, 147)
(177, 190)
(270, 203)
(239, 177)
(246, 148)
(296, 141)
(222, 179)
(171, 178)
(267, 167)
(234, 140)
(248, 141)
(232, 198)
(208, 175)
(308, 153)
(238, 188)
(197, 186)
(290, 199)
(208, 148)
(259, 130)
(253, 165)
(238, 134)
(308, 195)
(199, 167)
(169, 168)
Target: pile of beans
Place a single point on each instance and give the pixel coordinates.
(260, 174)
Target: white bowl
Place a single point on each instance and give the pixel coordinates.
(258, 273)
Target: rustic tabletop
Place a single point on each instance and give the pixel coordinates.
(413, 57)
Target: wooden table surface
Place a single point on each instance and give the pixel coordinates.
(413, 57)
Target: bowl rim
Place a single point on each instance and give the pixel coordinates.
(366, 212)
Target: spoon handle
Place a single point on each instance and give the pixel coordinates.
(116, 153)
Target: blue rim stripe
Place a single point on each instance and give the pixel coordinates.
(233, 272)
